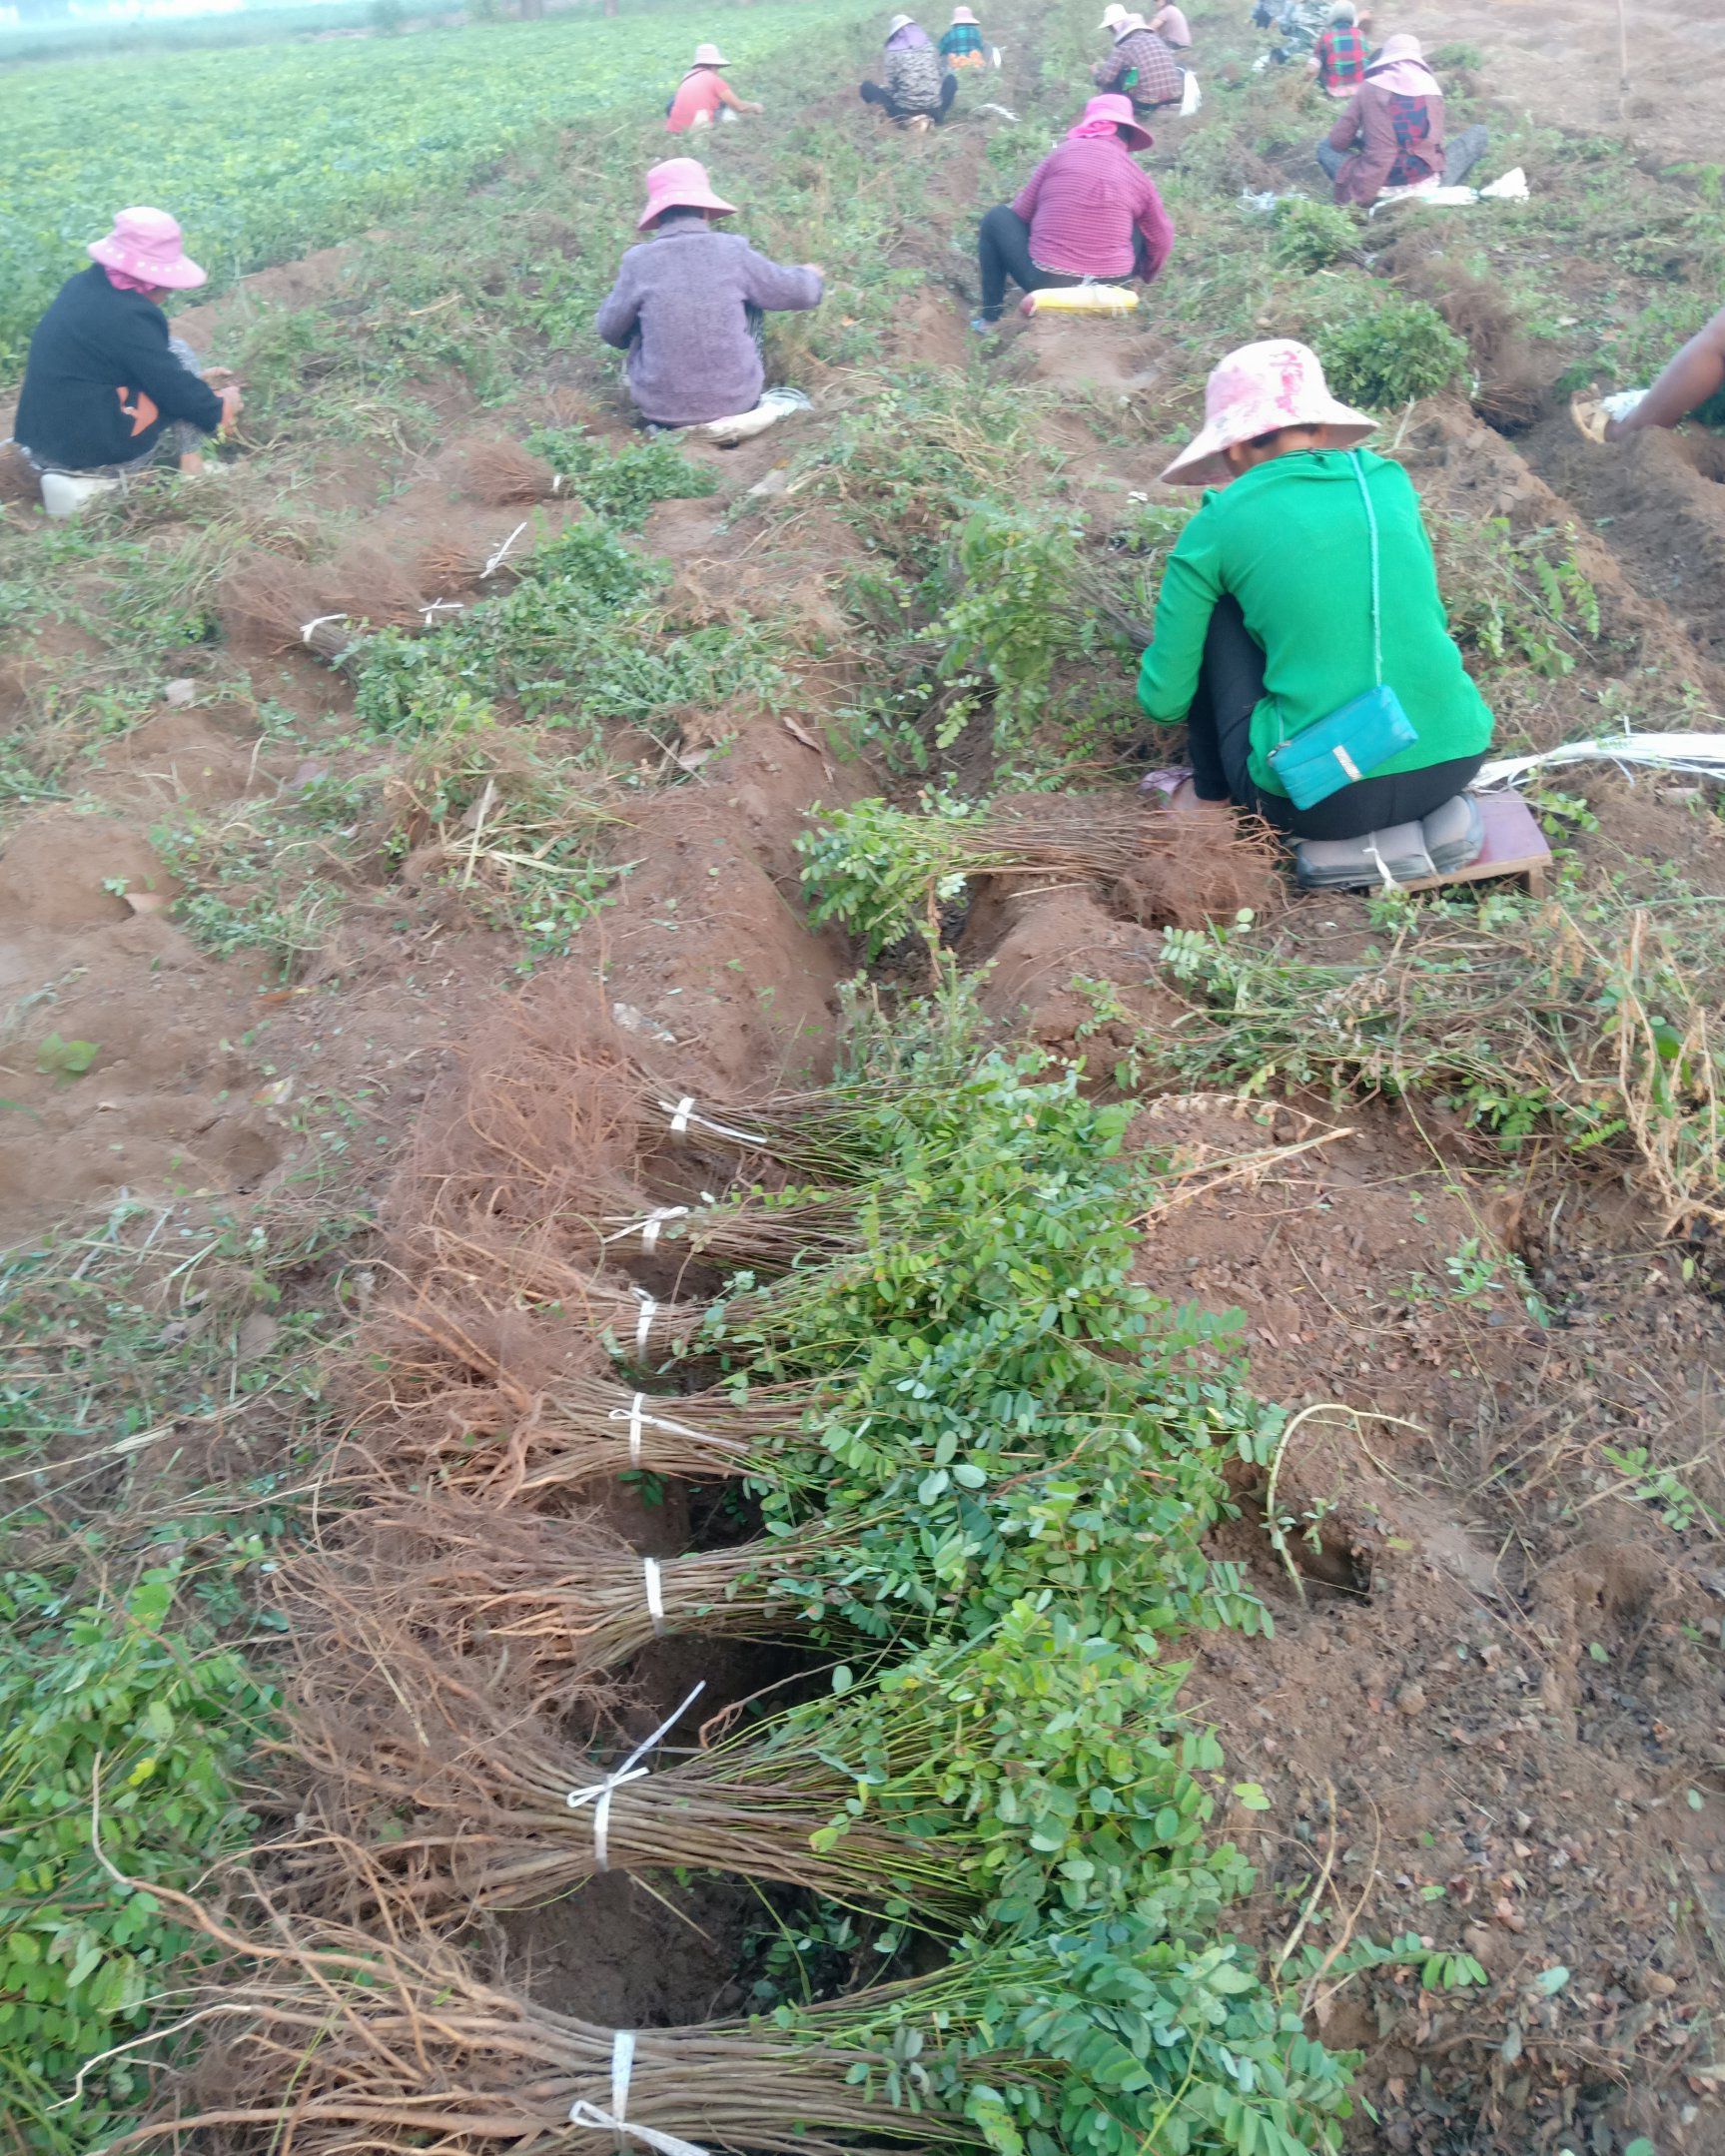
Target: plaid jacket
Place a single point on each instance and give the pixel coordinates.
(1341, 59)
(1142, 60)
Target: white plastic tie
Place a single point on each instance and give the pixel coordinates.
(644, 1324)
(1390, 883)
(652, 1580)
(685, 1118)
(638, 1420)
(496, 562)
(319, 621)
(649, 1229)
(615, 2120)
(599, 1796)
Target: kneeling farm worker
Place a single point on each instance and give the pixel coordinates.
(1392, 134)
(108, 389)
(689, 302)
(703, 95)
(917, 89)
(1085, 211)
(1301, 601)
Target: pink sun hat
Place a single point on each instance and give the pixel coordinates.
(1253, 391)
(680, 182)
(145, 244)
(963, 14)
(1105, 113)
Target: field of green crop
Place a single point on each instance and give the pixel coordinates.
(267, 153)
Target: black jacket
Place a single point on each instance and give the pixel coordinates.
(100, 383)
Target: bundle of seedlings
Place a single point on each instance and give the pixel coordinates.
(493, 469)
(474, 557)
(1038, 1767)
(563, 1597)
(487, 1404)
(1112, 2037)
(883, 873)
(276, 605)
(1520, 1017)
(461, 1801)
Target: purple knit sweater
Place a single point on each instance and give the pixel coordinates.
(680, 309)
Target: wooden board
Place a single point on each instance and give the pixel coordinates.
(1514, 845)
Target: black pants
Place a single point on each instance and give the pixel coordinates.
(1218, 730)
(871, 93)
(1003, 251)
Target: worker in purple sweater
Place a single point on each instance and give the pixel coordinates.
(688, 303)
(1085, 211)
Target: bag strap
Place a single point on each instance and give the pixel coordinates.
(1371, 533)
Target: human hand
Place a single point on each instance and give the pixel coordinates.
(233, 404)
(215, 375)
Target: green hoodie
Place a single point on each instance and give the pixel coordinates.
(1288, 540)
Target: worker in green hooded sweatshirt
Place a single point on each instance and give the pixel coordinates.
(1272, 615)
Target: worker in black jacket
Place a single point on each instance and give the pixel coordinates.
(106, 387)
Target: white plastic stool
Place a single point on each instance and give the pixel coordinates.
(64, 494)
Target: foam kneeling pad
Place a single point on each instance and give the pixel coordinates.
(1080, 300)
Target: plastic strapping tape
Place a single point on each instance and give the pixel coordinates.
(602, 1792)
(317, 622)
(654, 1586)
(615, 2120)
(683, 1119)
(644, 1324)
(638, 1420)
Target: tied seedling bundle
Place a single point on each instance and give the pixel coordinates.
(565, 1598)
(883, 873)
(1113, 2038)
(490, 1405)
(1043, 1770)
(459, 1799)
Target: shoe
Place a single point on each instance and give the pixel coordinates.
(1377, 860)
(1454, 835)
(985, 325)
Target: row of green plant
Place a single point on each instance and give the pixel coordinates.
(132, 1687)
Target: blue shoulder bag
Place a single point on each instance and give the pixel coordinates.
(1353, 742)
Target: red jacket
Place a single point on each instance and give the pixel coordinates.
(1093, 213)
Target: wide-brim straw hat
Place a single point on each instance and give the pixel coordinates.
(147, 245)
(963, 14)
(1115, 107)
(709, 56)
(680, 182)
(898, 23)
(1111, 16)
(1253, 391)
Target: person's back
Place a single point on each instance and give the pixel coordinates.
(699, 98)
(1155, 75)
(685, 307)
(1289, 540)
(1082, 204)
(1340, 56)
(913, 77)
(99, 381)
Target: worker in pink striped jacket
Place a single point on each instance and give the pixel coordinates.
(1085, 211)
